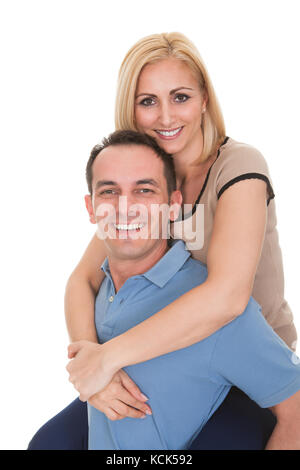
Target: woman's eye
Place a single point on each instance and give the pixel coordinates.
(147, 102)
(181, 98)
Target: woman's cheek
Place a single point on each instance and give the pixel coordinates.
(144, 120)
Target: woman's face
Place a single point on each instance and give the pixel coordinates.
(169, 105)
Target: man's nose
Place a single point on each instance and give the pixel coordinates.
(127, 200)
(129, 206)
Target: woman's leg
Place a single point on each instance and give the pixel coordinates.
(66, 431)
(238, 424)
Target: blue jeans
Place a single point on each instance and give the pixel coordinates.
(238, 424)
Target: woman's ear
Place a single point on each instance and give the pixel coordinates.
(89, 207)
(204, 101)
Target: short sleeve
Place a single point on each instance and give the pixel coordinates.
(251, 356)
(239, 162)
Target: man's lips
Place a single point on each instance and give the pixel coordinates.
(169, 134)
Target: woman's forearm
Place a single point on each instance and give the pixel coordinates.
(79, 310)
(175, 326)
(81, 289)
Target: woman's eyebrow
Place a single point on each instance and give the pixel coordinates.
(148, 94)
(180, 88)
(171, 92)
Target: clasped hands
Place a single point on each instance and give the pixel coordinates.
(113, 393)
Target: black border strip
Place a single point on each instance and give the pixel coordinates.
(246, 176)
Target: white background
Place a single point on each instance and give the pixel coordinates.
(59, 64)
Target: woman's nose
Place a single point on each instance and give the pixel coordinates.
(166, 116)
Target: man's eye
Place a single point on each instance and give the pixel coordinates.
(147, 102)
(106, 191)
(146, 190)
(181, 98)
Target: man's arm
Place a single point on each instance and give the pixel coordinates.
(286, 434)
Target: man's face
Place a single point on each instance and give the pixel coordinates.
(129, 189)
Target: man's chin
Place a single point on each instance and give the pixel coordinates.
(127, 248)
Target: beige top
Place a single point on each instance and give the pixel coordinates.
(235, 162)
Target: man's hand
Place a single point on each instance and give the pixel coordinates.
(88, 370)
(121, 398)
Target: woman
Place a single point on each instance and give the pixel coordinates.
(164, 91)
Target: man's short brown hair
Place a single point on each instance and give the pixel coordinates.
(129, 137)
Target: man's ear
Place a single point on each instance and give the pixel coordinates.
(89, 207)
(175, 204)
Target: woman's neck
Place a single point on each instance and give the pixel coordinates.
(184, 161)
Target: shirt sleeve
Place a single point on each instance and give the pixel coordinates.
(251, 356)
(242, 162)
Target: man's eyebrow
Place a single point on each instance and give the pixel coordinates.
(171, 92)
(113, 183)
(148, 181)
(105, 183)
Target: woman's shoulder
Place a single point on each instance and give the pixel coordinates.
(239, 161)
(240, 153)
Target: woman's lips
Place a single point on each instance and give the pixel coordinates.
(169, 134)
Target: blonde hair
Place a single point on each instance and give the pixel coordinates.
(158, 47)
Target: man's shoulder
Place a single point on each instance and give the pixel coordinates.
(195, 264)
(192, 269)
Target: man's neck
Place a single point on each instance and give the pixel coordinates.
(123, 269)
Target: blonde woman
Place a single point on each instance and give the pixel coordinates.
(164, 90)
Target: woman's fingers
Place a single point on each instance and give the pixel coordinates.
(112, 414)
(121, 398)
(125, 397)
(129, 384)
(116, 410)
(126, 411)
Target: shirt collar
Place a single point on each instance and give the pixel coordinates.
(165, 268)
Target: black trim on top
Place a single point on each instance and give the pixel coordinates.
(246, 176)
(204, 185)
(207, 176)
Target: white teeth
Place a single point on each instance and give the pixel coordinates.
(128, 227)
(169, 133)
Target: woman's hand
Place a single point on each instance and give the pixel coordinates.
(121, 398)
(89, 370)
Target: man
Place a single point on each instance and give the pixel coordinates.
(143, 275)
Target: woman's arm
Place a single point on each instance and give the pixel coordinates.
(81, 289)
(121, 397)
(233, 255)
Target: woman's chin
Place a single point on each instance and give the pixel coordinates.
(171, 147)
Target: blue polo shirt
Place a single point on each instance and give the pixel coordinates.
(186, 387)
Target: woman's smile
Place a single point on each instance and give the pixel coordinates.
(169, 134)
